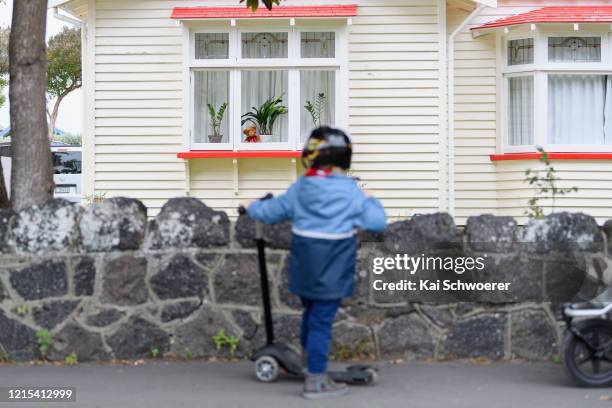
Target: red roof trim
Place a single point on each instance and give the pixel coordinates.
(344, 10)
(226, 154)
(551, 156)
(557, 14)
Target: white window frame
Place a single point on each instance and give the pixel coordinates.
(540, 69)
(235, 64)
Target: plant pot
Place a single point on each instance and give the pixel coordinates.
(215, 138)
(265, 138)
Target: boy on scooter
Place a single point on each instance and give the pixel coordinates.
(326, 207)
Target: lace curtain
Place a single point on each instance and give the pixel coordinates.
(520, 111)
(580, 109)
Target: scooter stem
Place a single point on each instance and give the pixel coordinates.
(258, 230)
(265, 287)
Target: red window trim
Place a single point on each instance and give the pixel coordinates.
(226, 154)
(342, 10)
(552, 156)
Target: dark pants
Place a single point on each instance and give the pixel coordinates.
(317, 321)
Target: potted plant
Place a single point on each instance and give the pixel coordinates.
(316, 108)
(265, 116)
(216, 117)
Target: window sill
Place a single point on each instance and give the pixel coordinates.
(230, 154)
(551, 156)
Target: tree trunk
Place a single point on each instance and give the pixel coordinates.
(32, 171)
(53, 115)
(4, 199)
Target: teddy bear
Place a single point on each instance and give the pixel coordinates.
(251, 135)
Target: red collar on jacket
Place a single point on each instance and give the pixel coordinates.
(312, 172)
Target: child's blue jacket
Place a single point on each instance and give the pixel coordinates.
(325, 212)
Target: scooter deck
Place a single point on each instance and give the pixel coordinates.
(356, 375)
(353, 375)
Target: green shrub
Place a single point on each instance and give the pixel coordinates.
(44, 340)
(221, 339)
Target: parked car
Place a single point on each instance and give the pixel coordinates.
(67, 169)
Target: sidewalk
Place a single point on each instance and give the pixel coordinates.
(418, 385)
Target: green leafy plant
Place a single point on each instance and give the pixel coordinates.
(44, 340)
(216, 117)
(316, 108)
(188, 354)
(254, 4)
(95, 198)
(154, 352)
(221, 339)
(5, 356)
(71, 359)
(266, 115)
(545, 184)
(22, 310)
(3, 83)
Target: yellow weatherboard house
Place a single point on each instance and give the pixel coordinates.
(446, 101)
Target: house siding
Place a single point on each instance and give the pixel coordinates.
(499, 187)
(393, 110)
(396, 113)
(475, 116)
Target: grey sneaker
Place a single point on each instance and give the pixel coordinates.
(322, 386)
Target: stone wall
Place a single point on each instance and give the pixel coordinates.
(108, 283)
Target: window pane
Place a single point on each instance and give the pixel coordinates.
(520, 110)
(66, 162)
(579, 109)
(264, 45)
(263, 87)
(212, 45)
(574, 49)
(318, 45)
(211, 90)
(318, 93)
(520, 51)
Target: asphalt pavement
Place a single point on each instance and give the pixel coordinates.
(232, 385)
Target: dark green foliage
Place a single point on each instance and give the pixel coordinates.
(254, 4)
(265, 116)
(64, 62)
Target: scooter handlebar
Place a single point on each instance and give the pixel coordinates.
(242, 210)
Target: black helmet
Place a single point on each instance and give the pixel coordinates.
(327, 146)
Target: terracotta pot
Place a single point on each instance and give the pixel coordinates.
(215, 138)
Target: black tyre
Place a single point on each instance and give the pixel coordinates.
(589, 360)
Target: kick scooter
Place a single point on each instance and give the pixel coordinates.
(275, 356)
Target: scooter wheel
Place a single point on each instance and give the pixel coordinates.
(374, 376)
(266, 369)
(589, 364)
